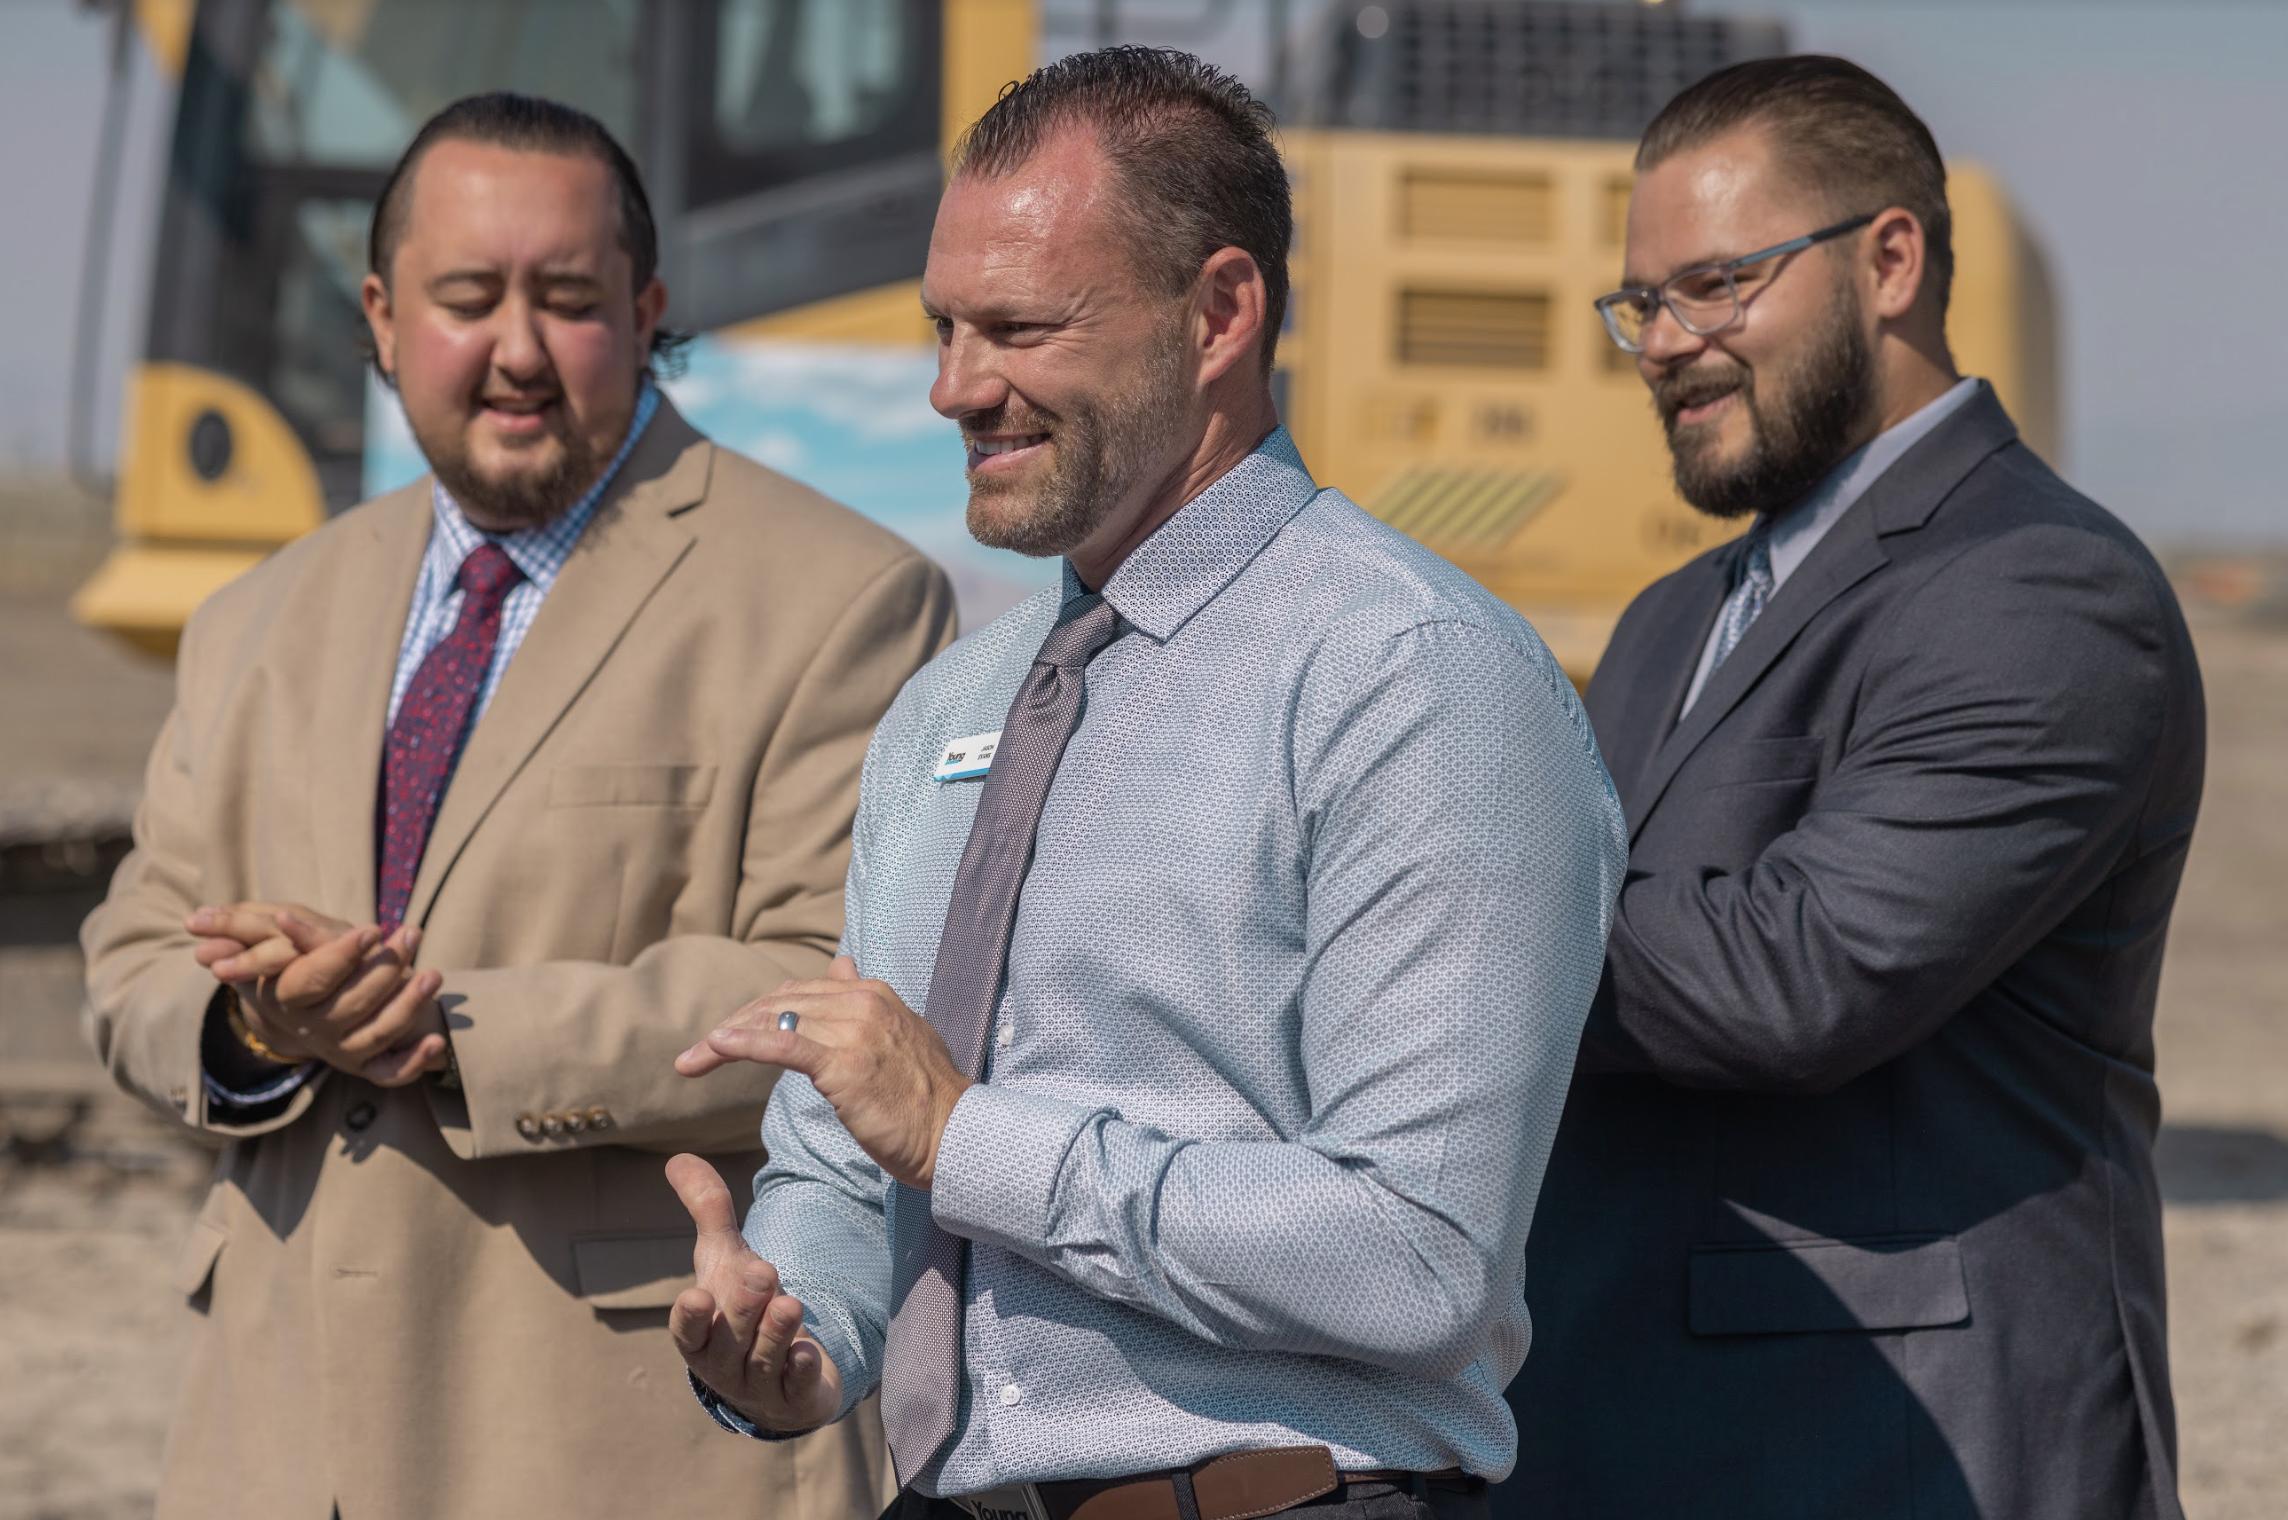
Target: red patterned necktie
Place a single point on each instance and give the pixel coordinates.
(432, 720)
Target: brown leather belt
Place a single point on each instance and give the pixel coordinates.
(1244, 1485)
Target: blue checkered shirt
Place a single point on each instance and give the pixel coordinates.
(540, 553)
(1317, 909)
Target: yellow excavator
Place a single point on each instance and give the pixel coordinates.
(1461, 172)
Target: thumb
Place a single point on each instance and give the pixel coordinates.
(844, 969)
(704, 1196)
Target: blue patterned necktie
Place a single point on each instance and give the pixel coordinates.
(1748, 596)
(921, 1362)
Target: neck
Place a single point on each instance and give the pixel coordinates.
(1230, 436)
(1913, 376)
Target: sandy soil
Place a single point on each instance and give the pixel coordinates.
(90, 1331)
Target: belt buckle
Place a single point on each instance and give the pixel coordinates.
(1011, 1501)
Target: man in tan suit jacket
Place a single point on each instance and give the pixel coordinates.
(433, 1272)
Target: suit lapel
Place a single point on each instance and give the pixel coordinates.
(364, 623)
(634, 540)
(1902, 500)
(1848, 555)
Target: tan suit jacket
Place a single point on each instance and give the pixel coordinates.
(437, 1304)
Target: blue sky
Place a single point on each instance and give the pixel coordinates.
(2142, 139)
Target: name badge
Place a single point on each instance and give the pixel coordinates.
(966, 759)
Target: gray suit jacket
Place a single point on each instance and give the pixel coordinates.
(1853, 1210)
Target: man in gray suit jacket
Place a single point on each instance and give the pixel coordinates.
(1853, 1210)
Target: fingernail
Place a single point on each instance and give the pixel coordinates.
(200, 920)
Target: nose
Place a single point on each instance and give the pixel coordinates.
(969, 378)
(520, 352)
(1664, 340)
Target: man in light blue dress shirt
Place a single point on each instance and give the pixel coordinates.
(1316, 907)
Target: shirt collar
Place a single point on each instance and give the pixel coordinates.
(1795, 535)
(1212, 537)
(541, 552)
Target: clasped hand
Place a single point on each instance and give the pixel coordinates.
(314, 988)
(894, 1085)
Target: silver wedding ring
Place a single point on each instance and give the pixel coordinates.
(787, 1021)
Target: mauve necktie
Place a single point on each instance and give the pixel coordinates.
(921, 1361)
(432, 720)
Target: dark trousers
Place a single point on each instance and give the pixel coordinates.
(1349, 1501)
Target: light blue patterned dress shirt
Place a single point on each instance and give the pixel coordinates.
(437, 596)
(1317, 909)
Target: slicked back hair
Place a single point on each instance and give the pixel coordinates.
(1191, 148)
(1836, 128)
(528, 124)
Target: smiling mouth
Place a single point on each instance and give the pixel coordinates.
(1701, 408)
(1004, 453)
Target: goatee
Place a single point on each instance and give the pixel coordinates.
(1799, 431)
(525, 499)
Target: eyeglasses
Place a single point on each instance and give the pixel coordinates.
(1705, 298)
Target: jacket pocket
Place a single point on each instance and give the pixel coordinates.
(632, 1271)
(194, 1269)
(1899, 1282)
(681, 786)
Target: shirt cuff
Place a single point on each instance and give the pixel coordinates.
(998, 1163)
(727, 1417)
(254, 1097)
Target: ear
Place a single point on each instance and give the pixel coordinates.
(1896, 257)
(651, 307)
(381, 320)
(1228, 329)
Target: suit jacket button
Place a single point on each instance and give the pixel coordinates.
(599, 1118)
(359, 1116)
(575, 1121)
(528, 1126)
(552, 1125)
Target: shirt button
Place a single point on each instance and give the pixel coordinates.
(1003, 1035)
(528, 1126)
(359, 1116)
(1011, 1393)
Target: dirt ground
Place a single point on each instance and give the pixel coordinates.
(90, 1324)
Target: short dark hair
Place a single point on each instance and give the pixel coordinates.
(1838, 127)
(1191, 147)
(533, 125)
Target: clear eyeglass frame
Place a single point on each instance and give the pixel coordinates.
(1704, 299)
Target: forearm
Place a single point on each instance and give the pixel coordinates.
(595, 1041)
(1261, 1246)
(818, 1218)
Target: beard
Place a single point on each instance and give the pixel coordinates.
(1798, 433)
(1101, 448)
(523, 498)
